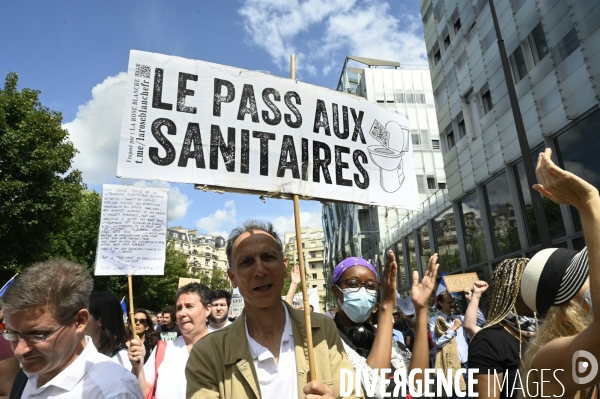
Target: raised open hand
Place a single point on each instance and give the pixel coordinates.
(559, 185)
(421, 292)
(296, 279)
(388, 280)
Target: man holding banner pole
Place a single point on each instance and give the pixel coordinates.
(263, 354)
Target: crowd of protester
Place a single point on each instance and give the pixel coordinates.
(60, 340)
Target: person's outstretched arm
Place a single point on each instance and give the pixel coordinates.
(380, 355)
(470, 324)
(566, 188)
(420, 294)
(296, 279)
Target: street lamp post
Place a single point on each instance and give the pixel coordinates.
(536, 198)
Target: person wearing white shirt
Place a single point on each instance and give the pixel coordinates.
(257, 356)
(191, 311)
(46, 316)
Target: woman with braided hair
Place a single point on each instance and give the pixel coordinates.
(558, 284)
(496, 348)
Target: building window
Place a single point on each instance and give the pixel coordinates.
(462, 129)
(450, 137)
(446, 239)
(314, 276)
(437, 57)
(442, 185)
(537, 41)
(473, 232)
(410, 98)
(313, 265)
(420, 98)
(505, 235)
(416, 138)
(457, 26)
(517, 65)
(400, 97)
(565, 46)
(447, 41)
(435, 144)
(486, 100)
(431, 183)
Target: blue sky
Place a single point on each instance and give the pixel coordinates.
(77, 52)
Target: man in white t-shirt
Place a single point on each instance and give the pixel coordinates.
(46, 314)
(219, 313)
(262, 353)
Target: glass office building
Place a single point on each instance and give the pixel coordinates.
(486, 215)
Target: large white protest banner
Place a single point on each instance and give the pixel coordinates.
(191, 121)
(133, 231)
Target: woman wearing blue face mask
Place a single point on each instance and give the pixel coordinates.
(355, 286)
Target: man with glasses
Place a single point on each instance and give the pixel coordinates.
(221, 300)
(46, 315)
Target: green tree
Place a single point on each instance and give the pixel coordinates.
(79, 239)
(220, 281)
(38, 189)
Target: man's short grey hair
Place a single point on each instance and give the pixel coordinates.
(61, 285)
(250, 225)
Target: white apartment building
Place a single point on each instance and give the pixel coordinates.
(204, 252)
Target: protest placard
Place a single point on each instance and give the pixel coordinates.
(185, 281)
(133, 231)
(460, 282)
(191, 121)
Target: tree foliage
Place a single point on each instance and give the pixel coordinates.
(37, 187)
(78, 240)
(220, 281)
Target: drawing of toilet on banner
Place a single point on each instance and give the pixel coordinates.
(394, 140)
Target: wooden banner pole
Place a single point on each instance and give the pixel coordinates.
(131, 311)
(309, 339)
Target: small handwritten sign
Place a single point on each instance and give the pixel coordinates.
(133, 231)
(460, 282)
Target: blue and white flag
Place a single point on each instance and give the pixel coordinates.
(442, 286)
(8, 284)
(124, 306)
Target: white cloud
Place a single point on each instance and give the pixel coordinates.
(96, 129)
(220, 219)
(364, 28)
(284, 224)
(178, 202)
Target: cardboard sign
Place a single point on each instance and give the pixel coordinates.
(460, 282)
(190, 121)
(185, 281)
(133, 231)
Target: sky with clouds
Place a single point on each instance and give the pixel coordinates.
(76, 54)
